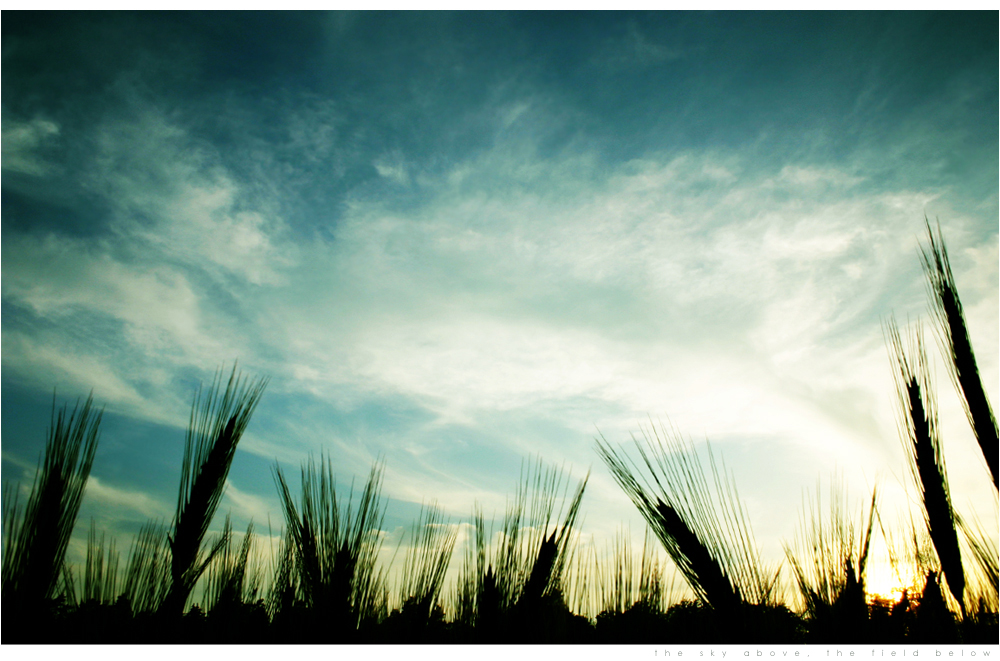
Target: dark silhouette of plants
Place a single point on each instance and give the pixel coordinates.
(954, 335)
(100, 575)
(984, 552)
(147, 573)
(923, 449)
(36, 539)
(516, 589)
(420, 616)
(233, 597)
(427, 561)
(232, 580)
(217, 423)
(333, 550)
(708, 537)
(623, 584)
(829, 560)
(632, 593)
(524, 582)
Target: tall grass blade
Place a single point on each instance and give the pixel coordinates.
(427, 562)
(470, 579)
(100, 574)
(984, 551)
(232, 581)
(147, 574)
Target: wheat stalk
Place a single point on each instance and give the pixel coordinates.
(923, 448)
(218, 420)
(954, 335)
(36, 540)
(334, 549)
(147, 573)
(709, 539)
(100, 576)
(426, 563)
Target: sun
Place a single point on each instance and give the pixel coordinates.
(885, 582)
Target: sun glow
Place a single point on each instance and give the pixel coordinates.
(885, 582)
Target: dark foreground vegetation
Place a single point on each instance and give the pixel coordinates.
(522, 580)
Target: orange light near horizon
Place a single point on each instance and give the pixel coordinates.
(884, 582)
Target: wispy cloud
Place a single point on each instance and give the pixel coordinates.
(44, 362)
(634, 48)
(247, 506)
(21, 143)
(57, 276)
(172, 194)
(393, 168)
(117, 500)
(737, 301)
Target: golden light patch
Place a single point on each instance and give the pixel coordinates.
(883, 581)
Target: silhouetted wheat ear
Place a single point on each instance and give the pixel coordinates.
(541, 570)
(823, 554)
(35, 544)
(528, 558)
(561, 545)
(708, 538)
(489, 600)
(954, 335)
(694, 559)
(866, 538)
(218, 420)
(334, 549)
(545, 556)
(923, 446)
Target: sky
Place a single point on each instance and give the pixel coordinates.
(460, 242)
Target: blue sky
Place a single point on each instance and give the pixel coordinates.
(460, 240)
